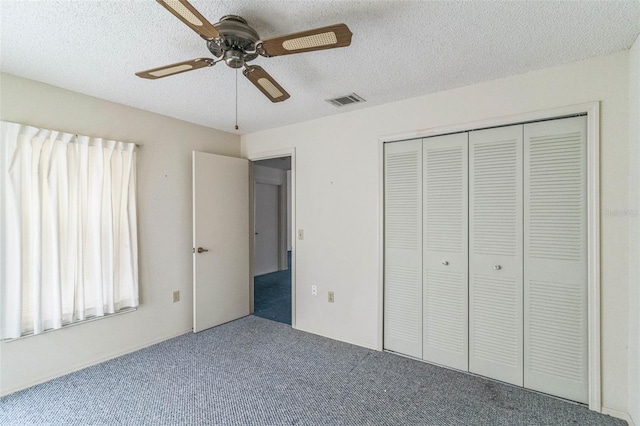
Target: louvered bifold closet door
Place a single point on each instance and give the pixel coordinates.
(555, 266)
(495, 253)
(445, 261)
(403, 247)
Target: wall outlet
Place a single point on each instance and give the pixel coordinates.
(314, 290)
(176, 296)
(301, 234)
(331, 297)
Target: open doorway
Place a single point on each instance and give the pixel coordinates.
(272, 239)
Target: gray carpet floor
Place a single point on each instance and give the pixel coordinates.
(258, 372)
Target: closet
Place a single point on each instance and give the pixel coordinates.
(485, 253)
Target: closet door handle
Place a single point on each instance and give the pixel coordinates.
(497, 267)
(445, 262)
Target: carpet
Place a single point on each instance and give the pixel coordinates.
(258, 372)
(272, 295)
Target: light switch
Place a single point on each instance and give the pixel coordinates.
(301, 234)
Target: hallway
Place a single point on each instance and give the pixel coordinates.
(272, 295)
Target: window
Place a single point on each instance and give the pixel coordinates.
(68, 229)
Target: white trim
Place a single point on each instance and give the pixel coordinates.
(251, 230)
(341, 338)
(592, 109)
(593, 255)
(618, 414)
(72, 324)
(285, 152)
(492, 122)
(95, 361)
(380, 339)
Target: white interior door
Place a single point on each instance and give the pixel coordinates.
(445, 241)
(495, 254)
(555, 266)
(220, 239)
(403, 247)
(266, 228)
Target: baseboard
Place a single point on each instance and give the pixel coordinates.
(96, 361)
(618, 414)
(340, 339)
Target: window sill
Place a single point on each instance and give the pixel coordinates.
(120, 312)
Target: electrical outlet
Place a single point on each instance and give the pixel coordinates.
(301, 234)
(314, 290)
(331, 297)
(176, 296)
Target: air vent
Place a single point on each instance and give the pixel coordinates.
(346, 100)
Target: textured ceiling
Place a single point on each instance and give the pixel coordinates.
(399, 50)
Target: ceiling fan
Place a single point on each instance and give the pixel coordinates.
(233, 41)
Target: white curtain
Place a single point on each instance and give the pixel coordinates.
(68, 228)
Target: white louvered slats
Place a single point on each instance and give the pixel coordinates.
(494, 309)
(486, 253)
(555, 272)
(445, 262)
(555, 323)
(495, 197)
(445, 318)
(403, 247)
(495, 254)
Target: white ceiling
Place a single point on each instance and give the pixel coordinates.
(399, 50)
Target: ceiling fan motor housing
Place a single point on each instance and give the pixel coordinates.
(234, 58)
(233, 41)
(237, 39)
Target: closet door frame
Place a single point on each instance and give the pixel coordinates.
(592, 111)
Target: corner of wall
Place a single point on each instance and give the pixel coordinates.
(164, 212)
(634, 233)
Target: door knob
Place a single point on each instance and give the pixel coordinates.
(202, 250)
(445, 262)
(497, 267)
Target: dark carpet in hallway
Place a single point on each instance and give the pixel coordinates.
(272, 295)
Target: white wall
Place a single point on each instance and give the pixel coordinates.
(269, 257)
(634, 232)
(337, 193)
(164, 209)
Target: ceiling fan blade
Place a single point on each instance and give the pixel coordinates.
(176, 68)
(188, 14)
(329, 37)
(265, 83)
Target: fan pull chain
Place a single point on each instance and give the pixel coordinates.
(236, 99)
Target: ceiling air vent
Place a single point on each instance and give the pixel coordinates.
(346, 100)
